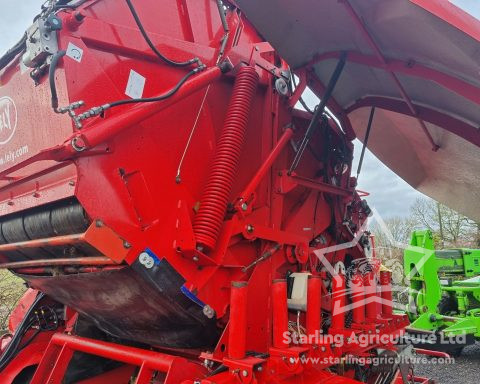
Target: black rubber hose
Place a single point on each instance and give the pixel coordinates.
(99, 110)
(152, 47)
(64, 5)
(154, 99)
(12, 348)
(12, 52)
(51, 77)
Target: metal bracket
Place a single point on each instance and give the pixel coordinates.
(41, 42)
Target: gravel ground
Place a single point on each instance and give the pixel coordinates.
(465, 369)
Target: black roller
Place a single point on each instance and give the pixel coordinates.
(38, 225)
(12, 255)
(69, 219)
(65, 218)
(14, 232)
(2, 239)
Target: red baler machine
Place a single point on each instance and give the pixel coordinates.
(176, 218)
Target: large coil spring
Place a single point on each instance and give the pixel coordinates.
(210, 216)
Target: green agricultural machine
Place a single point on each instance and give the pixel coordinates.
(444, 294)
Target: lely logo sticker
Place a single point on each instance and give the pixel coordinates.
(8, 119)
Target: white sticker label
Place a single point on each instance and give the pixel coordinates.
(135, 85)
(74, 52)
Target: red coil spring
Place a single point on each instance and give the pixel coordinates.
(210, 216)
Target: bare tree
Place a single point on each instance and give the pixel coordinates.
(450, 228)
(398, 231)
(476, 230)
(389, 238)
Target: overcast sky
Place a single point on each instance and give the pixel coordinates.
(15, 17)
(390, 195)
(471, 6)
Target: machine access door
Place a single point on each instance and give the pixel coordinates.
(416, 61)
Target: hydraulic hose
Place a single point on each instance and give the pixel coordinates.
(51, 77)
(99, 110)
(12, 52)
(213, 205)
(65, 5)
(152, 46)
(13, 346)
(158, 98)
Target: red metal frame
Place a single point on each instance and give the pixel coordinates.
(386, 292)
(446, 11)
(29, 356)
(449, 123)
(463, 88)
(90, 261)
(61, 348)
(54, 241)
(452, 14)
(248, 194)
(123, 173)
(363, 30)
(429, 352)
(237, 331)
(280, 312)
(314, 317)
(338, 301)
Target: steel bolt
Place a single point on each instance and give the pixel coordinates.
(281, 86)
(250, 228)
(146, 260)
(208, 311)
(195, 258)
(244, 373)
(79, 16)
(127, 245)
(244, 206)
(291, 360)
